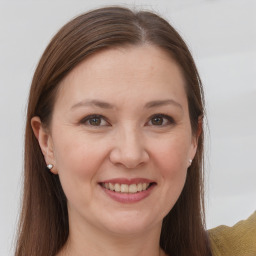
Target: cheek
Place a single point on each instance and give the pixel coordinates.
(171, 155)
(171, 161)
(77, 160)
(74, 159)
(77, 153)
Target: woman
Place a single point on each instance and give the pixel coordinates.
(115, 112)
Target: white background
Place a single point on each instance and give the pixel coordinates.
(222, 37)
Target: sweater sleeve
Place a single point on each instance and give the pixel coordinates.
(239, 240)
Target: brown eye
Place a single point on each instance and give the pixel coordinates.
(157, 121)
(94, 120)
(160, 120)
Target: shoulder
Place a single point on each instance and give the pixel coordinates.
(237, 240)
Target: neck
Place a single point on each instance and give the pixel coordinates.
(88, 240)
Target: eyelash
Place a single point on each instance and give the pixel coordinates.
(169, 119)
(94, 116)
(84, 121)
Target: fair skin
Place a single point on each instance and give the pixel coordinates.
(120, 117)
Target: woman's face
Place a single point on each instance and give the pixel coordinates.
(121, 139)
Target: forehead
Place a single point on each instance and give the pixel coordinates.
(137, 72)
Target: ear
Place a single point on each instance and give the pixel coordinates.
(199, 129)
(45, 141)
(196, 136)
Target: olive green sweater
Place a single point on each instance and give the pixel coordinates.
(239, 240)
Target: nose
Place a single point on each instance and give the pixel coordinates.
(128, 149)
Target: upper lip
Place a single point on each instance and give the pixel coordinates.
(127, 181)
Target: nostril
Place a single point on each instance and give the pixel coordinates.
(128, 158)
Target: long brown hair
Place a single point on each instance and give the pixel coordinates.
(44, 226)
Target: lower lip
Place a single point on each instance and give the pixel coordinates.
(128, 197)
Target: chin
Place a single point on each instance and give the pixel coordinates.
(129, 223)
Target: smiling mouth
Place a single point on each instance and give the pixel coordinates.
(125, 188)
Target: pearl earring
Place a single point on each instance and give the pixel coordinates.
(49, 166)
(190, 162)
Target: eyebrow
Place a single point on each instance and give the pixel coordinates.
(106, 105)
(159, 103)
(96, 103)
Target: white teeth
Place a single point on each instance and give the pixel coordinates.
(125, 188)
(111, 187)
(133, 188)
(117, 187)
(139, 187)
